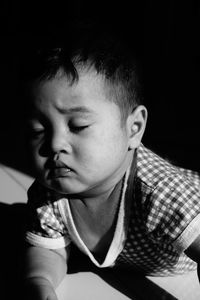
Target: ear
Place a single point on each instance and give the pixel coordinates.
(136, 123)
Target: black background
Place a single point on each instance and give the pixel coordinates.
(168, 33)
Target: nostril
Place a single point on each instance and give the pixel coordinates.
(56, 156)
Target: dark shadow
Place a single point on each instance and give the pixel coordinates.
(12, 222)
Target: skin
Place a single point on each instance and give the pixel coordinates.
(78, 128)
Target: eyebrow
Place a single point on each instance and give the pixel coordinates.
(77, 109)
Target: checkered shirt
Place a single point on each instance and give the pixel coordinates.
(161, 204)
(165, 201)
(44, 218)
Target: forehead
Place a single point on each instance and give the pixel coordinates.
(88, 92)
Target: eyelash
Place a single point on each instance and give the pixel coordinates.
(74, 128)
(34, 133)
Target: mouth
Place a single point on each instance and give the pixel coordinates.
(58, 169)
(59, 172)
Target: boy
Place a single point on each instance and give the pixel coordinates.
(96, 185)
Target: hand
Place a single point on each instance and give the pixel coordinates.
(38, 288)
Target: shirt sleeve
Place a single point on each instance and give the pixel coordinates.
(45, 227)
(175, 210)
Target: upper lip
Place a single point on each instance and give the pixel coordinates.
(57, 164)
(60, 164)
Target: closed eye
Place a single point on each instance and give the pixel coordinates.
(76, 129)
(35, 132)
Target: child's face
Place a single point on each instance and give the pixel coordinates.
(78, 143)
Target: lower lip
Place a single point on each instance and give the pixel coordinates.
(60, 172)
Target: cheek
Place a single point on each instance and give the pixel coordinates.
(102, 149)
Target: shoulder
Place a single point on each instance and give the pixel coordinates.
(44, 217)
(153, 170)
(43, 205)
(170, 195)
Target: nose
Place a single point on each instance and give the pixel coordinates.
(60, 142)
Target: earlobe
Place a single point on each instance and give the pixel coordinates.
(137, 123)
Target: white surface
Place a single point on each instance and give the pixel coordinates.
(88, 286)
(13, 185)
(183, 287)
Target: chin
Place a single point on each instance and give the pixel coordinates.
(63, 188)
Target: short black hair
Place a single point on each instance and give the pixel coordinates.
(102, 48)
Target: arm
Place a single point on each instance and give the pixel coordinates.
(194, 253)
(44, 270)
